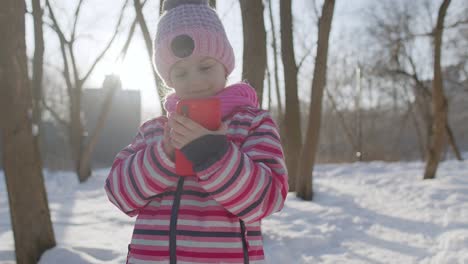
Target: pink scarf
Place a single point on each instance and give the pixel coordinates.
(239, 94)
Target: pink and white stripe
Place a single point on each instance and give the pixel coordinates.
(249, 183)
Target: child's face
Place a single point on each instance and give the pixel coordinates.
(197, 77)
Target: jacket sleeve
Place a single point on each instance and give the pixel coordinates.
(250, 181)
(141, 171)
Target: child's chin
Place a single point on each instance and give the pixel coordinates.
(201, 94)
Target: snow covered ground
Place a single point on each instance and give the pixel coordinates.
(362, 213)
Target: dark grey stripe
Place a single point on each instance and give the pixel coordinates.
(195, 193)
(159, 165)
(151, 232)
(207, 234)
(270, 161)
(254, 233)
(258, 134)
(187, 192)
(233, 178)
(236, 122)
(245, 249)
(132, 179)
(256, 203)
(173, 225)
(194, 233)
(150, 132)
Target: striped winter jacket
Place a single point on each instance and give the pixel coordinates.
(213, 217)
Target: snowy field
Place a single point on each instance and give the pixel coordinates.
(362, 213)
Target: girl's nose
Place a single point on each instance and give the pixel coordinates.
(195, 82)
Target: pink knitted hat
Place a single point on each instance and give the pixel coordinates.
(188, 28)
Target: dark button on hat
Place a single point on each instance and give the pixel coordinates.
(182, 46)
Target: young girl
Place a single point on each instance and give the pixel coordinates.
(240, 175)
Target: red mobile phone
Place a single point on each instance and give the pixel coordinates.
(204, 111)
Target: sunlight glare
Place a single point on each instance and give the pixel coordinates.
(135, 71)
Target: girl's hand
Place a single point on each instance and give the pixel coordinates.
(184, 130)
(167, 144)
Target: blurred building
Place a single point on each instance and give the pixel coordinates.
(121, 126)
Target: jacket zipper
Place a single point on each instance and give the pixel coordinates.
(173, 224)
(244, 242)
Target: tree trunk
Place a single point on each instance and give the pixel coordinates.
(292, 137)
(275, 61)
(268, 76)
(38, 63)
(77, 132)
(30, 217)
(452, 142)
(75, 87)
(307, 161)
(439, 102)
(111, 84)
(149, 48)
(254, 57)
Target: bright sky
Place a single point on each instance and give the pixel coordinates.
(98, 21)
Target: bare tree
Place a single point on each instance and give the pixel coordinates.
(29, 210)
(254, 57)
(348, 132)
(275, 61)
(38, 65)
(110, 85)
(292, 138)
(338, 109)
(439, 102)
(269, 85)
(308, 153)
(149, 48)
(397, 37)
(75, 81)
(411, 111)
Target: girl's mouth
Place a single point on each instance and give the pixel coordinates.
(198, 92)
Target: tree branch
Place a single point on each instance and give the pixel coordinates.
(77, 14)
(131, 32)
(55, 25)
(73, 62)
(54, 114)
(117, 28)
(308, 52)
(123, 53)
(63, 42)
(456, 24)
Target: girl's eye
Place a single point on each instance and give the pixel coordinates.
(205, 68)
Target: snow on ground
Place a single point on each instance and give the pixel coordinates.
(362, 213)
